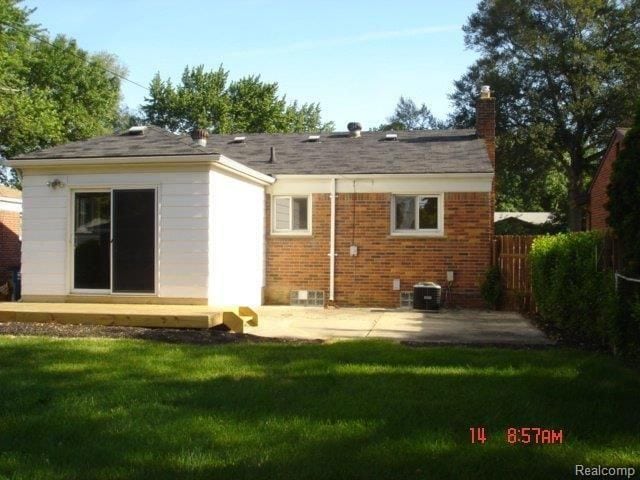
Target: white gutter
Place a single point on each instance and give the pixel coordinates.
(222, 162)
(332, 247)
(106, 161)
(358, 176)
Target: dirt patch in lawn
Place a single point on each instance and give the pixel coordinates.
(211, 336)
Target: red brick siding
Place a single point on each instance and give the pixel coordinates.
(302, 263)
(10, 230)
(598, 197)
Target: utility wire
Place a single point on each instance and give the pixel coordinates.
(46, 40)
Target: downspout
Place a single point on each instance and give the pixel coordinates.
(332, 247)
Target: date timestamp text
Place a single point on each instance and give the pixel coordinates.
(521, 435)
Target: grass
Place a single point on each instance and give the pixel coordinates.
(104, 409)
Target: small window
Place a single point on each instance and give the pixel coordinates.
(417, 214)
(291, 214)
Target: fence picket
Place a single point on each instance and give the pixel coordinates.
(511, 256)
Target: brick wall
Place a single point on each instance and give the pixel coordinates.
(302, 263)
(10, 230)
(598, 196)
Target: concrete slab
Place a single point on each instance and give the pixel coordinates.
(446, 326)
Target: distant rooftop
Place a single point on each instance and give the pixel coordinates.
(536, 218)
(8, 192)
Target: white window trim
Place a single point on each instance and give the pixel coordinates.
(290, 231)
(418, 232)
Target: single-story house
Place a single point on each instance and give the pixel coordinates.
(597, 213)
(10, 231)
(348, 219)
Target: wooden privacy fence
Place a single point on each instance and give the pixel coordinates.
(510, 254)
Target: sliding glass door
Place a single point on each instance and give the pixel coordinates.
(134, 241)
(114, 241)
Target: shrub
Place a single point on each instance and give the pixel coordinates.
(628, 319)
(491, 288)
(571, 293)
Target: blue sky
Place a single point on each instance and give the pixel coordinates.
(354, 58)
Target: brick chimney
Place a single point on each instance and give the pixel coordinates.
(486, 121)
(486, 129)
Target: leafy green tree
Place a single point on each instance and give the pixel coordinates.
(409, 116)
(624, 197)
(206, 99)
(565, 74)
(51, 91)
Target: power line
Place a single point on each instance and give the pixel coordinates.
(45, 40)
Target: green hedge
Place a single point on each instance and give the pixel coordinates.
(571, 293)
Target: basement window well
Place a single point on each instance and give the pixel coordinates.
(417, 215)
(291, 215)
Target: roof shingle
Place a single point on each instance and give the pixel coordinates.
(430, 151)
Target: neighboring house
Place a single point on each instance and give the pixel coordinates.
(342, 218)
(10, 231)
(597, 213)
(521, 223)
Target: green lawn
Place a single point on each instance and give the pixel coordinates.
(133, 409)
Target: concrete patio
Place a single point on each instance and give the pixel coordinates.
(447, 326)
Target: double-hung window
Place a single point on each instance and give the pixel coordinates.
(417, 215)
(291, 215)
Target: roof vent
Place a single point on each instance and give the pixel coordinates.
(354, 128)
(391, 137)
(238, 139)
(137, 130)
(313, 138)
(200, 135)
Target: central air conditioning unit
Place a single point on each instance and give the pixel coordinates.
(426, 296)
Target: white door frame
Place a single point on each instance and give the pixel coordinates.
(71, 244)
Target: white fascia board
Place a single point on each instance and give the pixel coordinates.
(106, 161)
(381, 183)
(226, 164)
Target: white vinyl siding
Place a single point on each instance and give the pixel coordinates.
(291, 214)
(417, 214)
(183, 231)
(236, 246)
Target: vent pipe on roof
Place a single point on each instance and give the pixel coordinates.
(354, 128)
(272, 158)
(200, 135)
(137, 130)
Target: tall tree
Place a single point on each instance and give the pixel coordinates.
(51, 91)
(565, 74)
(409, 116)
(206, 99)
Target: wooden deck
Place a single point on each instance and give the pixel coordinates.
(166, 316)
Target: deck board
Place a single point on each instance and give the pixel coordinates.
(167, 316)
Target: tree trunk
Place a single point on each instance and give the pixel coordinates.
(576, 196)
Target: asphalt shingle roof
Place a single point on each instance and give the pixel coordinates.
(154, 142)
(435, 151)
